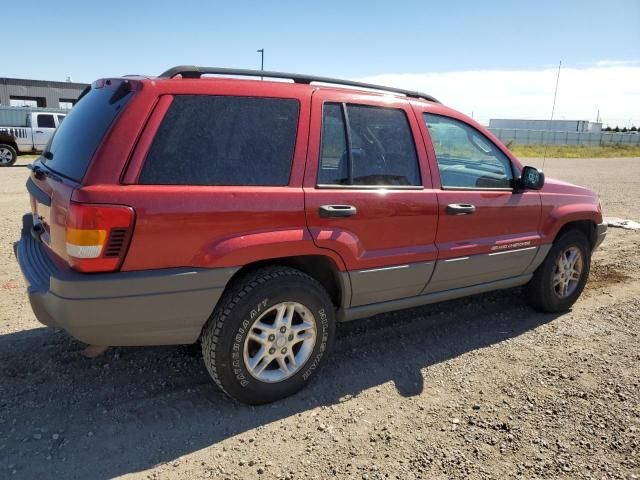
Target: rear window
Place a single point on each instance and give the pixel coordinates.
(78, 137)
(223, 140)
(46, 121)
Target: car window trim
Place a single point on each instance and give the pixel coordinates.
(325, 186)
(493, 144)
(347, 132)
(484, 189)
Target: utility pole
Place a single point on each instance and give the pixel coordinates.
(261, 52)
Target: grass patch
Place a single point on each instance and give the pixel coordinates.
(576, 151)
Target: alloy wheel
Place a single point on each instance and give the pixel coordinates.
(5, 156)
(567, 272)
(280, 342)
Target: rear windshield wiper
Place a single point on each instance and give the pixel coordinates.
(40, 172)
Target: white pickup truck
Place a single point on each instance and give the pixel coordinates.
(25, 132)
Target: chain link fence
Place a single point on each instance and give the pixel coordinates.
(550, 137)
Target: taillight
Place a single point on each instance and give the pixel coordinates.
(97, 236)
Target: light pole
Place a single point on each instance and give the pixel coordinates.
(261, 52)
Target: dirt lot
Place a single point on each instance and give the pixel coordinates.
(476, 388)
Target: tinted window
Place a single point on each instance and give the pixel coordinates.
(78, 137)
(382, 148)
(334, 146)
(466, 158)
(46, 121)
(220, 140)
(60, 118)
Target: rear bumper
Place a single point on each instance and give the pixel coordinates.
(601, 233)
(151, 307)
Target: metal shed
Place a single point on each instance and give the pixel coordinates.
(39, 93)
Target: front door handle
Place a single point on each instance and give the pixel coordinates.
(337, 211)
(460, 209)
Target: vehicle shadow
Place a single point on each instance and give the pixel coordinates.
(66, 416)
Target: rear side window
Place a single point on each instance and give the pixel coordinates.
(223, 140)
(381, 153)
(46, 121)
(78, 137)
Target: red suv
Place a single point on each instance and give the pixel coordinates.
(253, 215)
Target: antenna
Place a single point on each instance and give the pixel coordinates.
(261, 52)
(553, 109)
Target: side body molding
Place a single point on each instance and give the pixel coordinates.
(475, 269)
(389, 283)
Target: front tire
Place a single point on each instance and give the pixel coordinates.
(8, 155)
(269, 335)
(559, 281)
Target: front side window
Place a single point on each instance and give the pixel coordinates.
(46, 121)
(381, 153)
(466, 158)
(223, 140)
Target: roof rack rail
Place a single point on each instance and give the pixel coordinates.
(190, 71)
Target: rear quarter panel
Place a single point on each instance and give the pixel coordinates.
(209, 226)
(201, 226)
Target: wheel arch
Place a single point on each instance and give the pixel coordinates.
(13, 145)
(587, 227)
(319, 267)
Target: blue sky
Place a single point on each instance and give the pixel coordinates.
(89, 40)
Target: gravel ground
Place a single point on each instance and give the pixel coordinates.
(476, 388)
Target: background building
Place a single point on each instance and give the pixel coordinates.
(19, 92)
(549, 125)
(558, 132)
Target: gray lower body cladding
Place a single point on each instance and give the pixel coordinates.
(386, 289)
(388, 283)
(419, 300)
(478, 269)
(152, 307)
(170, 306)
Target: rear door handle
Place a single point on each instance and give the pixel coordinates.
(337, 211)
(460, 209)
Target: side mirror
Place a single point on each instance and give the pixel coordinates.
(531, 178)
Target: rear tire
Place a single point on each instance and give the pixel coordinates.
(8, 155)
(269, 335)
(559, 281)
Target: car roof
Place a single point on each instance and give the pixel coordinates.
(199, 84)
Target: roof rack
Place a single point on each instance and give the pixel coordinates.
(190, 71)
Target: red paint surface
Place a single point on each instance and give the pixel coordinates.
(203, 226)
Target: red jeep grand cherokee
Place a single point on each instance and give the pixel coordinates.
(253, 215)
